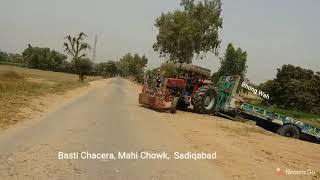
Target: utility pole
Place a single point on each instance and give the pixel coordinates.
(94, 48)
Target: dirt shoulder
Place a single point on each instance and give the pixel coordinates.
(24, 92)
(36, 106)
(245, 151)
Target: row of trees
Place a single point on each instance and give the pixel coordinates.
(294, 88)
(183, 34)
(11, 58)
(50, 60)
(45, 59)
(76, 47)
(132, 66)
(106, 69)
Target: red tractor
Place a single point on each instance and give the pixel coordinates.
(191, 87)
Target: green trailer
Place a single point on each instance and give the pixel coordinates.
(229, 103)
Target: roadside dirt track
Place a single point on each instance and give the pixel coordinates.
(108, 118)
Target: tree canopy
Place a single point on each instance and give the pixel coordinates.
(188, 32)
(44, 58)
(233, 63)
(106, 69)
(76, 47)
(169, 70)
(13, 58)
(294, 88)
(83, 67)
(132, 66)
(3, 56)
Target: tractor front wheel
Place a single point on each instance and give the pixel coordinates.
(173, 108)
(204, 101)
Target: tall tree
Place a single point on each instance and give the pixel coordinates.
(233, 63)
(76, 47)
(188, 32)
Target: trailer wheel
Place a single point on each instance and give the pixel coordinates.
(290, 131)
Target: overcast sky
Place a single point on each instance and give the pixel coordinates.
(273, 32)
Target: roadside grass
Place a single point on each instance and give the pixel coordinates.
(309, 118)
(294, 114)
(13, 64)
(18, 86)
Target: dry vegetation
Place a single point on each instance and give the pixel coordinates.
(18, 86)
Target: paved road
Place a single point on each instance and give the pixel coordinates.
(108, 119)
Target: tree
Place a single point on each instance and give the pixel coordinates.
(3, 56)
(15, 58)
(105, 69)
(76, 47)
(168, 68)
(111, 68)
(83, 68)
(233, 63)
(66, 67)
(188, 32)
(132, 66)
(41, 58)
(294, 88)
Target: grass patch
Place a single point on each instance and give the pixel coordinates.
(10, 63)
(14, 84)
(291, 113)
(19, 85)
(309, 118)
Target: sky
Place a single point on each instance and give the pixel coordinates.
(272, 32)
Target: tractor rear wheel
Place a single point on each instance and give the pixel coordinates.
(204, 101)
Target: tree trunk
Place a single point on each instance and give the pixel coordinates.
(81, 77)
(179, 70)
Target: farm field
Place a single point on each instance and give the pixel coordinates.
(19, 86)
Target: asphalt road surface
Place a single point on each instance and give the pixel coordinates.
(108, 119)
